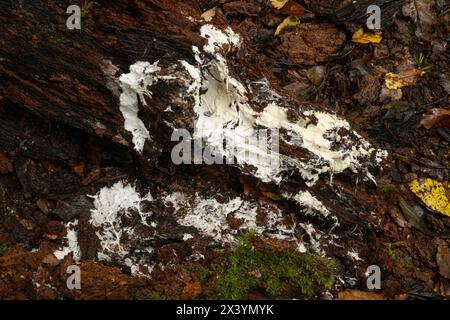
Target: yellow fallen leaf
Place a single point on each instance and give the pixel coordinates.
(272, 196)
(405, 77)
(288, 22)
(365, 37)
(393, 81)
(433, 193)
(278, 4)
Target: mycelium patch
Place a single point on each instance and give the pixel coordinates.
(117, 215)
(125, 230)
(224, 221)
(71, 243)
(134, 87)
(225, 110)
(224, 113)
(309, 201)
(122, 228)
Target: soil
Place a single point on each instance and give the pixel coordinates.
(55, 155)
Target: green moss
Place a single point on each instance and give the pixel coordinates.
(203, 275)
(391, 247)
(86, 13)
(396, 254)
(3, 248)
(406, 261)
(386, 189)
(274, 273)
(147, 294)
(402, 158)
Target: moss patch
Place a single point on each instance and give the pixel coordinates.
(86, 13)
(3, 248)
(147, 294)
(387, 189)
(393, 251)
(274, 273)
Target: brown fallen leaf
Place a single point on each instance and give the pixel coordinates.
(409, 74)
(436, 116)
(423, 15)
(293, 9)
(360, 295)
(249, 191)
(5, 164)
(27, 224)
(78, 170)
(414, 218)
(191, 291)
(443, 260)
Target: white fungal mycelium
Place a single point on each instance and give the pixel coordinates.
(224, 110)
(306, 199)
(354, 255)
(135, 86)
(224, 113)
(111, 205)
(71, 243)
(315, 237)
(311, 205)
(210, 218)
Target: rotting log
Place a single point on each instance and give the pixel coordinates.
(159, 60)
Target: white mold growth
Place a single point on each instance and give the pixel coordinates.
(111, 204)
(210, 218)
(224, 113)
(117, 241)
(354, 255)
(315, 236)
(306, 199)
(72, 243)
(218, 39)
(134, 87)
(317, 139)
(224, 110)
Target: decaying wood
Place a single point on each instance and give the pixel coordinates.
(60, 119)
